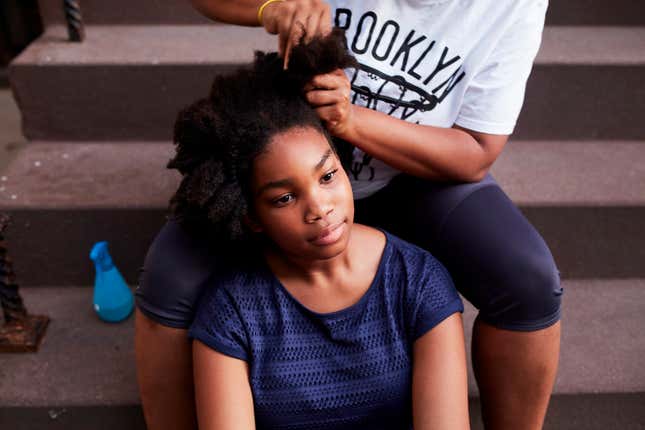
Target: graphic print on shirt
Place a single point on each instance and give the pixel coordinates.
(406, 91)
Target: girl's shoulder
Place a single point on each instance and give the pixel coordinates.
(395, 253)
(371, 240)
(239, 277)
(408, 257)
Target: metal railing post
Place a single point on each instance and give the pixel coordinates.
(75, 27)
(20, 331)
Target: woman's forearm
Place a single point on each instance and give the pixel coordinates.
(423, 151)
(240, 12)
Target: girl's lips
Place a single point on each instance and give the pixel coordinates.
(329, 235)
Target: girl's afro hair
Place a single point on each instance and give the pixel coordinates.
(218, 137)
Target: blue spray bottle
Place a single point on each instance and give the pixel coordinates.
(113, 300)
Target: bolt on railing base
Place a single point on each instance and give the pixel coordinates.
(23, 335)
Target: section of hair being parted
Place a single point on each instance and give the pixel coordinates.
(218, 137)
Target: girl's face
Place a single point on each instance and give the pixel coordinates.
(302, 196)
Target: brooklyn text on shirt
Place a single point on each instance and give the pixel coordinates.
(429, 71)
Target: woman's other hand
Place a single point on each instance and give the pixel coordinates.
(329, 94)
(293, 19)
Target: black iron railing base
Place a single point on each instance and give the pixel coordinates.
(23, 335)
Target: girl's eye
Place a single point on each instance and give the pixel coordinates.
(284, 199)
(329, 176)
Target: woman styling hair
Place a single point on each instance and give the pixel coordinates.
(311, 321)
(437, 93)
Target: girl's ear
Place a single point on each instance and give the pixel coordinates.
(251, 223)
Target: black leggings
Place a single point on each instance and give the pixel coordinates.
(497, 259)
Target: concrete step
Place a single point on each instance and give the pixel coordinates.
(85, 362)
(155, 12)
(128, 82)
(587, 199)
(566, 412)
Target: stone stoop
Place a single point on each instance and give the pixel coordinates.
(99, 119)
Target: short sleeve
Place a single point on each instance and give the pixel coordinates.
(494, 97)
(434, 299)
(219, 325)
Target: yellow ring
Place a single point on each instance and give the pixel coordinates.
(261, 9)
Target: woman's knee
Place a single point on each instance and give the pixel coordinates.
(500, 262)
(529, 295)
(172, 277)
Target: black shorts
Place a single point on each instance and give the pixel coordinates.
(497, 259)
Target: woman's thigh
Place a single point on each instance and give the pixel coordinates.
(497, 259)
(174, 274)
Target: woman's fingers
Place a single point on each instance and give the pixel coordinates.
(284, 27)
(336, 80)
(324, 23)
(336, 119)
(293, 19)
(312, 27)
(323, 97)
(328, 113)
(327, 81)
(296, 32)
(329, 95)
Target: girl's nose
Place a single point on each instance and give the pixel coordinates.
(318, 208)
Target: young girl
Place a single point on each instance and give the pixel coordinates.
(314, 322)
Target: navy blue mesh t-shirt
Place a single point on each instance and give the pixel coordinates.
(349, 369)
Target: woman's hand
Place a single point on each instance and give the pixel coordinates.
(329, 94)
(293, 19)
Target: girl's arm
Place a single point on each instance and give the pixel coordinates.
(439, 378)
(420, 150)
(164, 374)
(222, 391)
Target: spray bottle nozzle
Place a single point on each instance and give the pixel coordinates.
(101, 256)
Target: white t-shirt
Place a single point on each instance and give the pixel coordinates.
(438, 62)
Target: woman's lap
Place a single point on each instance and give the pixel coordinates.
(498, 261)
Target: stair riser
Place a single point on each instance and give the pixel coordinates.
(566, 412)
(51, 247)
(595, 12)
(593, 101)
(120, 102)
(146, 12)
